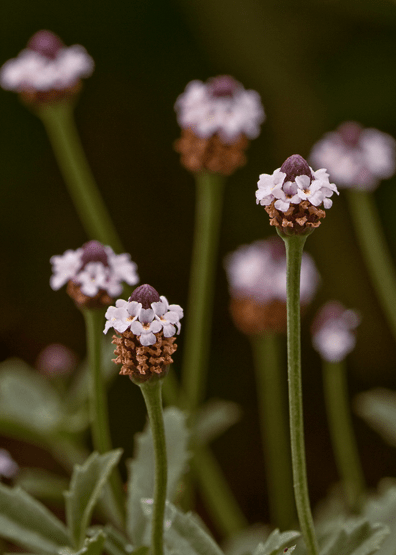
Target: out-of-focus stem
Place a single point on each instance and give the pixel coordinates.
(209, 200)
(341, 431)
(375, 251)
(59, 123)
(273, 410)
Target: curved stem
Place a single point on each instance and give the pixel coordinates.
(341, 431)
(209, 201)
(271, 391)
(294, 249)
(59, 124)
(97, 400)
(153, 398)
(375, 251)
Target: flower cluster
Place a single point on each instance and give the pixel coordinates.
(147, 324)
(257, 282)
(56, 360)
(93, 273)
(293, 193)
(8, 467)
(356, 157)
(217, 120)
(46, 69)
(333, 331)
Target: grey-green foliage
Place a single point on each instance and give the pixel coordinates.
(86, 486)
(214, 418)
(356, 537)
(141, 469)
(28, 523)
(378, 408)
(382, 508)
(94, 545)
(277, 542)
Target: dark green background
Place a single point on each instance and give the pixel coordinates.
(315, 64)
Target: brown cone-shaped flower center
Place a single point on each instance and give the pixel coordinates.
(93, 251)
(145, 294)
(45, 43)
(224, 85)
(295, 165)
(350, 133)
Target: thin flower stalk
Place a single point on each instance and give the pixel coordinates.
(151, 390)
(294, 249)
(342, 434)
(271, 391)
(209, 189)
(98, 403)
(375, 251)
(59, 124)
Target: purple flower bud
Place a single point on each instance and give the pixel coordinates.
(93, 251)
(45, 43)
(295, 165)
(223, 85)
(145, 295)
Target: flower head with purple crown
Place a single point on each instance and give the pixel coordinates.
(145, 314)
(92, 269)
(356, 157)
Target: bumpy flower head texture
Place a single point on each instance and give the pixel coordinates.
(333, 331)
(92, 271)
(221, 106)
(46, 68)
(257, 283)
(217, 119)
(293, 193)
(356, 157)
(148, 325)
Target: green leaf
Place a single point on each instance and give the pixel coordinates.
(94, 545)
(115, 543)
(378, 408)
(276, 542)
(86, 486)
(382, 508)
(42, 484)
(30, 407)
(356, 537)
(183, 534)
(141, 469)
(28, 523)
(245, 541)
(214, 418)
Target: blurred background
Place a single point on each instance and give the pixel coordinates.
(315, 63)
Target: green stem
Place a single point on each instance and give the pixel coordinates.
(271, 390)
(375, 251)
(216, 493)
(341, 431)
(59, 123)
(209, 187)
(294, 249)
(153, 398)
(97, 400)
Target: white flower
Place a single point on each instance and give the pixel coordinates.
(315, 187)
(145, 319)
(333, 331)
(95, 268)
(258, 271)
(221, 106)
(8, 467)
(46, 64)
(356, 157)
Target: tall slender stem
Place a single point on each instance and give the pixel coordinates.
(271, 391)
(59, 123)
(153, 398)
(294, 249)
(341, 431)
(209, 199)
(97, 400)
(375, 251)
